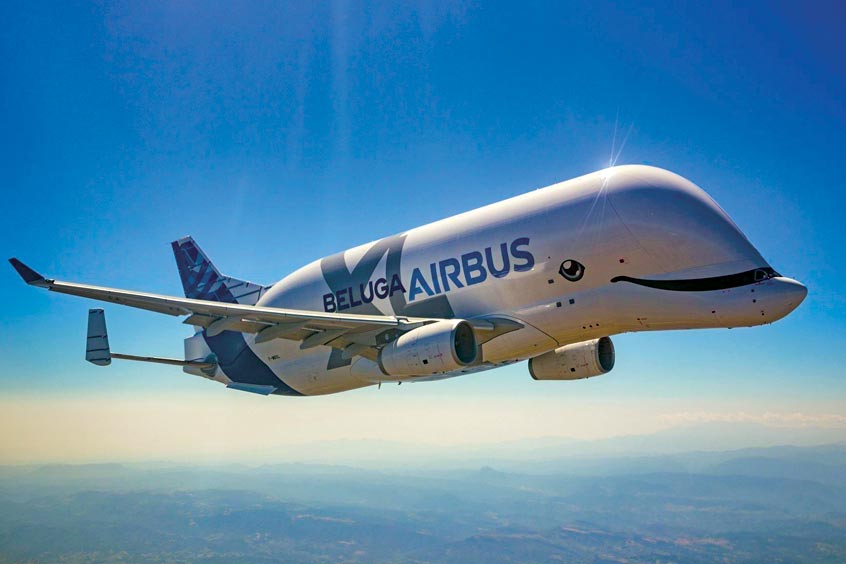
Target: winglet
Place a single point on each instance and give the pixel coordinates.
(29, 275)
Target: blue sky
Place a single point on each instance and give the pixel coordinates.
(276, 134)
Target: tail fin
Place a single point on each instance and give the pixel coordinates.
(202, 281)
(97, 349)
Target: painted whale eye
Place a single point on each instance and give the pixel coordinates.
(572, 270)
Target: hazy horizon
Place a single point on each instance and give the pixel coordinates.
(224, 430)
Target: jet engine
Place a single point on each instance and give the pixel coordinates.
(438, 347)
(574, 362)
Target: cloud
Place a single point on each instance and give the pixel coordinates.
(769, 418)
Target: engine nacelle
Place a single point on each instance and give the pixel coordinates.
(574, 362)
(431, 349)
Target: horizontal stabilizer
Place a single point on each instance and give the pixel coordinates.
(97, 349)
(201, 364)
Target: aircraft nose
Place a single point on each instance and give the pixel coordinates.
(795, 289)
(792, 293)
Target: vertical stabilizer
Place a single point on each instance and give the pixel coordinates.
(202, 281)
(97, 344)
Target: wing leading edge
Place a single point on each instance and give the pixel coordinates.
(354, 334)
(313, 328)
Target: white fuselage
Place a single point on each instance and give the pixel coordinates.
(657, 253)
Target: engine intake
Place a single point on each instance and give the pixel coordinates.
(574, 362)
(431, 349)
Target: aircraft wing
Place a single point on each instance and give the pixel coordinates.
(313, 328)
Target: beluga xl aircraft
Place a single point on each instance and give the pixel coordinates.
(545, 277)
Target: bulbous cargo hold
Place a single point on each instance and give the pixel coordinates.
(574, 362)
(431, 349)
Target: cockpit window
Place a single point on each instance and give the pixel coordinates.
(762, 274)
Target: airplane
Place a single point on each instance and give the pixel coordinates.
(548, 276)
